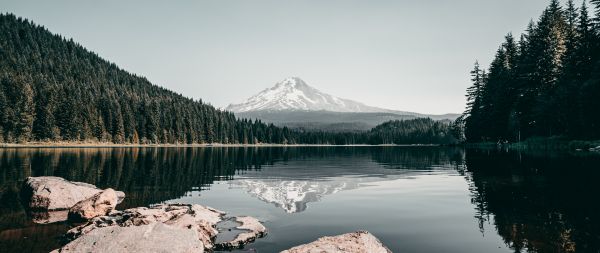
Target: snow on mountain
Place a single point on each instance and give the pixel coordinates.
(294, 104)
(294, 94)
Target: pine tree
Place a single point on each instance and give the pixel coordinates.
(550, 89)
(44, 126)
(474, 91)
(577, 70)
(118, 132)
(24, 109)
(571, 14)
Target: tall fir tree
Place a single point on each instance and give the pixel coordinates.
(552, 86)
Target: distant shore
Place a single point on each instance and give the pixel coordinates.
(114, 145)
(543, 143)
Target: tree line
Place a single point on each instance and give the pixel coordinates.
(544, 83)
(52, 89)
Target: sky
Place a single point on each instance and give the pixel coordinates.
(404, 54)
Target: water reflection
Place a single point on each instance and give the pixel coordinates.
(154, 175)
(535, 202)
(146, 175)
(292, 187)
(538, 202)
(314, 175)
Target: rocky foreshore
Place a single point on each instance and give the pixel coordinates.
(158, 228)
(191, 228)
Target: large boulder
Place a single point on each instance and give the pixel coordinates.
(155, 237)
(195, 217)
(357, 242)
(204, 221)
(100, 204)
(55, 193)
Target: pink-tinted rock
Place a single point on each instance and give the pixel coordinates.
(55, 193)
(202, 220)
(357, 242)
(100, 204)
(155, 237)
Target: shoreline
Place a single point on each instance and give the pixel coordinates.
(545, 143)
(212, 145)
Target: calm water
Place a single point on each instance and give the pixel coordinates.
(421, 199)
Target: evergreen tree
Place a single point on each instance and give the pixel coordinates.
(472, 115)
(474, 91)
(24, 109)
(549, 86)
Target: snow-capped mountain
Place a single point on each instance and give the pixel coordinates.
(294, 94)
(294, 104)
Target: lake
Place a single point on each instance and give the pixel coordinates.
(414, 199)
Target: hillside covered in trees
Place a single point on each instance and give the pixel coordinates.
(422, 130)
(53, 89)
(544, 83)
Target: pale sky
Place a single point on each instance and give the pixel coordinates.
(405, 54)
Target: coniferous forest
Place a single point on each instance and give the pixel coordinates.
(54, 90)
(543, 83)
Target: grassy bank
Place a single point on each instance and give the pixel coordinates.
(544, 143)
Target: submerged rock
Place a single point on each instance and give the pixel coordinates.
(55, 193)
(238, 231)
(100, 204)
(357, 242)
(155, 237)
(199, 219)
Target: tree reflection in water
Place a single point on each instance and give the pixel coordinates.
(538, 201)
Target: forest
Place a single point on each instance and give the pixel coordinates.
(54, 90)
(544, 83)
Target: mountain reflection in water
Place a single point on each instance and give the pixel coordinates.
(298, 182)
(532, 202)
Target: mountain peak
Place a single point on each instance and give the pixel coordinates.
(294, 94)
(291, 81)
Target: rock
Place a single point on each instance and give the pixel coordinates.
(176, 215)
(238, 231)
(100, 204)
(55, 193)
(155, 237)
(357, 242)
(47, 217)
(199, 219)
